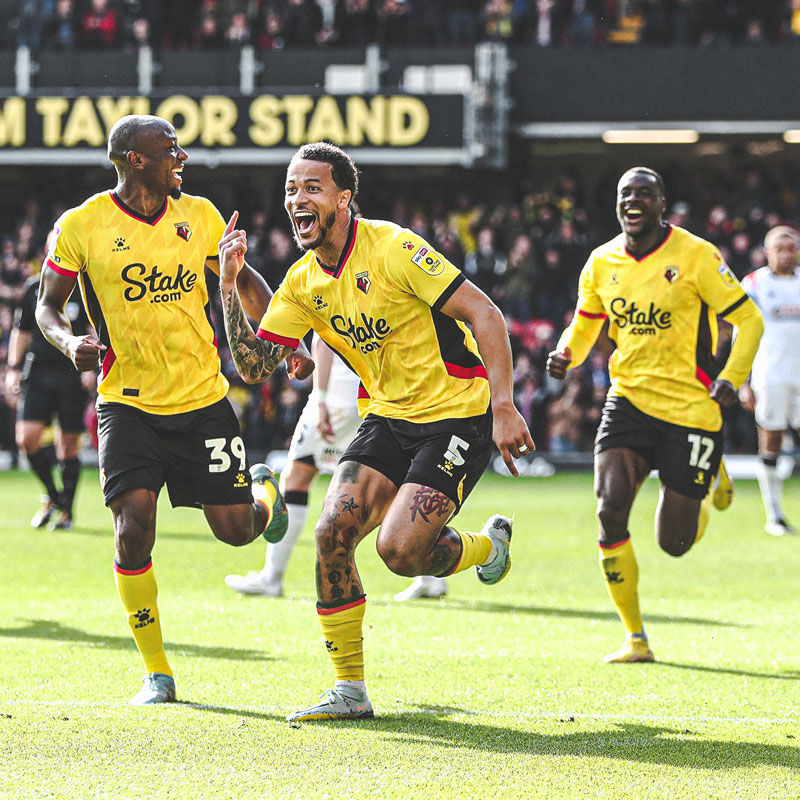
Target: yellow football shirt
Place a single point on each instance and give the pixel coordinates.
(379, 308)
(662, 310)
(143, 284)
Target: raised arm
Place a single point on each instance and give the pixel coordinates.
(254, 294)
(510, 433)
(255, 359)
(54, 291)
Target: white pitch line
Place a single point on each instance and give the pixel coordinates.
(390, 711)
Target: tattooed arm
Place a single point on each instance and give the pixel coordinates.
(254, 293)
(255, 359)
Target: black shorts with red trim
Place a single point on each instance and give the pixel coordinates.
(448, 455)
(199, 455)
(687, 459)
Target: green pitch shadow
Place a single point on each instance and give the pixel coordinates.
(623, 741)
(233, 712)
(47, 629)
(566, 613)
(791, 675)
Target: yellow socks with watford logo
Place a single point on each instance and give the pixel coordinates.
(475, 550)
(138, 591)
(342, 629)
(621, 574)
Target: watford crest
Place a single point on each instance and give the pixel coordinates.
(183, 230)
(671, 274)
(363, 282)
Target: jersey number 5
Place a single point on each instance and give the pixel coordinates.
(220, 460)
(698, 458)
(453, 453)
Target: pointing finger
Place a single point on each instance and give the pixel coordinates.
(232, 222)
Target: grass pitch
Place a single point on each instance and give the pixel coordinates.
(490, 692)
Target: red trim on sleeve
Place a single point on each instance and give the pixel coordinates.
(324, 612)
(147, 566)
(273, 337)
(67, 273)
(702, 377)
(363, 394)
(613, 546)
(590, 315)
(455, 371)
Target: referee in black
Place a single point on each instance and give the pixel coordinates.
(44, 384)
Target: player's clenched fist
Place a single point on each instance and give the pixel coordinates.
(558, 363)
(84, 352)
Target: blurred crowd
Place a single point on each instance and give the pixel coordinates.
(527, 255)
(275, 24)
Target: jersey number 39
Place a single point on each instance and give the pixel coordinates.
(219, 458)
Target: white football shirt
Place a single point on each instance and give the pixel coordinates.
(778, 297)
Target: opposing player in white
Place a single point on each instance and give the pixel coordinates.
(774, 387)
(326, 427)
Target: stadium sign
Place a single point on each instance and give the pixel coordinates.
(265, 129)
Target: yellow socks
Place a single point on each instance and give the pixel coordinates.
(342, 630)
(621, 574)
(475, 550)
(138, 591)
(702, 518)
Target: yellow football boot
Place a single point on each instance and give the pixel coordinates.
(635, 650)
(723, 488)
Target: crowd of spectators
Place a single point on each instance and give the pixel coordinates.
(526, 255)
(275, 24)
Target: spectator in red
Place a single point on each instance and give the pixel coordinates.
(269, 31)
(99, 27)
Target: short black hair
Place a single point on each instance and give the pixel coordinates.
(343, 170)
(659, 181)
(126, 133)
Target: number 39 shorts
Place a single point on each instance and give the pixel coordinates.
(687, 459)
(449, 455)
(199, 455)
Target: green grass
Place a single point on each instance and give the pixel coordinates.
(491, 692)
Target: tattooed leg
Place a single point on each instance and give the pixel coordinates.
(414, 539)
(445, 554)
(353, 506)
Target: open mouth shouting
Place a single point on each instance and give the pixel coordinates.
(305, 222)
(632, 217)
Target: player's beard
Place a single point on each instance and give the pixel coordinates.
(322, 232)
(175, 192)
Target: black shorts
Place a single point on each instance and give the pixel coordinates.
(49, 393)
(449, 455)
(199, 455)
(687, 459)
